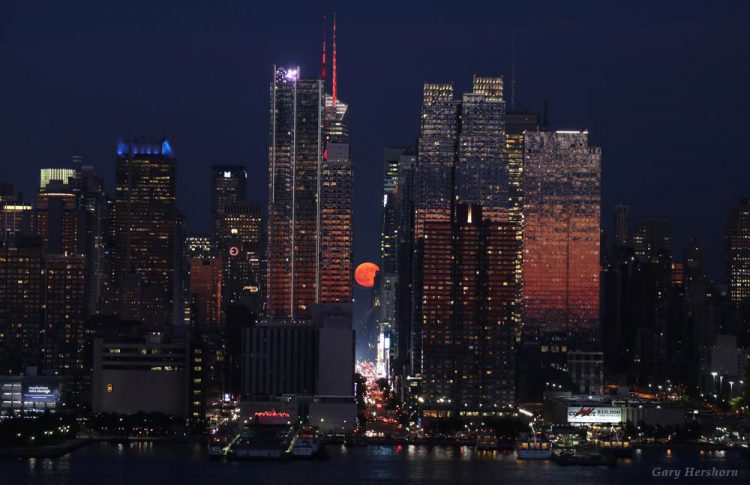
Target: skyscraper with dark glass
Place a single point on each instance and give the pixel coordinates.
(145, 229)
(561, 237)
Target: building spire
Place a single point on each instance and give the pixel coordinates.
(334, 61)
(513, 73)
(323, 64)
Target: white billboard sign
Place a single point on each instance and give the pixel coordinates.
(590, 414)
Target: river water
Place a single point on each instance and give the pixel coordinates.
(186, 463)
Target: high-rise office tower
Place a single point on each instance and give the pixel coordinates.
(15, 217)
(336, 198)
(467, 297)
(205, 284)
(481, 173)
(738, 251)
(396, 257)
(145, 228)
(622, 226)
(55, 176)
(89, 190)
(66, 339)
(389, 231)
(433, 181)
(561, 237)
(295, 156)
(21, 304)
(652, 239)
(309, 210)
(198, 246)
(240, 244)
(517, 123)
(228, 186)
(56, 221)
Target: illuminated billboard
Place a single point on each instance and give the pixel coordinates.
(590, 414)
(35, 392)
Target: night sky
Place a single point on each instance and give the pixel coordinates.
(662, 87)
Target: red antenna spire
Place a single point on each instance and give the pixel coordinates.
(334, 60)
(323, 68)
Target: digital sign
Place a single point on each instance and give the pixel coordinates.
(40, 393)
(586, 414)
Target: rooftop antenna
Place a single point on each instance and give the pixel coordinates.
(323, 65)
(334, 61)
(513, 73)
(545, 119)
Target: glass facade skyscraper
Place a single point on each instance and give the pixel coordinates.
(310, 199)
(561, 237)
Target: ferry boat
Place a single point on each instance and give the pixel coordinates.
(530, 446)
(306, 444)
(486, 440)
(216, 446)
(584, 457)
(612, 442)
(269, 436)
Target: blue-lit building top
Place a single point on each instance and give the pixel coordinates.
(126, 148)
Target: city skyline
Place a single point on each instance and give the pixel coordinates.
(488, 237)
(575, 102)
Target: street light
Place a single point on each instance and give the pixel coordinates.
(713, 384)
(731, 387)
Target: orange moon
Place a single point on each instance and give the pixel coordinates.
(365, 274)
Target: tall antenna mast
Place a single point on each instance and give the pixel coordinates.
(334, 61)
(513, 73)
(323, 64)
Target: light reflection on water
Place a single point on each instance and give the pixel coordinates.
(147, 463)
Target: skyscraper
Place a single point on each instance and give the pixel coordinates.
(15, 217)
(622, 226)
(66, 339)
(56, 220)
(228, 186)
(467, 297)
(240, 244)
(517, 123)
(92, 219)
(562, 193)
(310, 197)
(395, 245)
(336, 211)
(295, 156)
(21, 304)
(738, 251)
(481, 168)
(433, 181)
(145, 227)
(205, 284)
(463, 159)
(652, 239)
